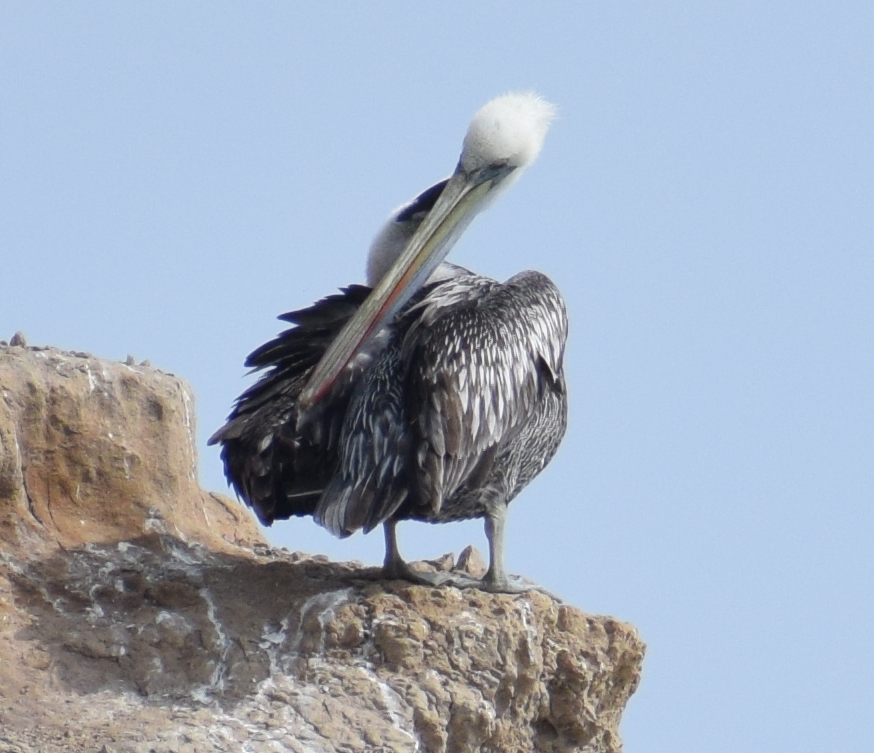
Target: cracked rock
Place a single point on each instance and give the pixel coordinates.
(140, 613)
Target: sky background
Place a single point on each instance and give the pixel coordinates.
(173, 176)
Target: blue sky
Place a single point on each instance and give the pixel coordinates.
(176, 175)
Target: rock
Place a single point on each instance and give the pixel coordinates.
(138, 613)
(94, 451)
(471, 562)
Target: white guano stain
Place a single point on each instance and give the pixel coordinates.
(219, 673)
(394, 704)
(188, 422)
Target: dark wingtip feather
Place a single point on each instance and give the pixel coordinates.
(272, 467)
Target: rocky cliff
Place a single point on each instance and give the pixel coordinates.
(140, 613)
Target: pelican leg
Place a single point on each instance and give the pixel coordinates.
(496, 576)
(395, 568)
(496, 579)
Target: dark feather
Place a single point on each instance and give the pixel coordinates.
(457, 406)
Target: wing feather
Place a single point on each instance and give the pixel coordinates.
(475, 358)
(276, 469)
(459, 379)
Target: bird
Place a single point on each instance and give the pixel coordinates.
(432, 393)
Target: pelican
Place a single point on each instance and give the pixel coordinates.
(430, 394)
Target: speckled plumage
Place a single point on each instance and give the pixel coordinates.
(462, 407)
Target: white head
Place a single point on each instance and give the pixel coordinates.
(507, 130)
(506, 133)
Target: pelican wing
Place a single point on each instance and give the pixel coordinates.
(278, 470)
(481, 356)
(468, 370)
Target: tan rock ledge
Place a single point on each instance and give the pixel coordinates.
(139, 613)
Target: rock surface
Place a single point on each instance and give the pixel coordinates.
(139, 613)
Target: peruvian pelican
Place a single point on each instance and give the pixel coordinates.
(434, 394)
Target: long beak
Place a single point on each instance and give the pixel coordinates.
(457, 206)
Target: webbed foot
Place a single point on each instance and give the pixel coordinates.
(510, 584)
(400, 570)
